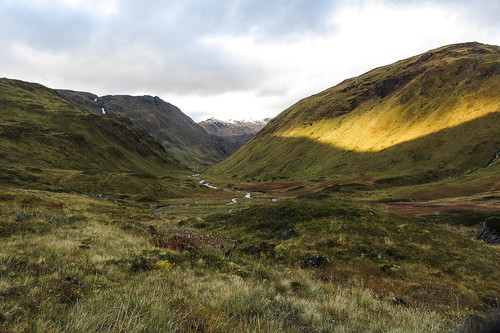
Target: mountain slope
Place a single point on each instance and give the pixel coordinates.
(232, 135)
(46, 140)
(435, 111)
(181, 137)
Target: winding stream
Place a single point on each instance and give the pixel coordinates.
(202, 181)
(246, 195)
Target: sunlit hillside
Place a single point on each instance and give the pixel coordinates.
(435, 111)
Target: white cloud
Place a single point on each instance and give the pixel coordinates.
(365, 36)
(94, 7)
(246, 59)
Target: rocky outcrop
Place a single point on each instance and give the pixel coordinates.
(315, 261)
(489, 230)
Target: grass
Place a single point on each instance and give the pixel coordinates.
(419, 115)
(181, 138)
(50, 143)
(72, 262)
(157, 252)
(409, 257)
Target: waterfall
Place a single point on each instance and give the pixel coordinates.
(497, 155)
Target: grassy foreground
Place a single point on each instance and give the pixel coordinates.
(74, 263)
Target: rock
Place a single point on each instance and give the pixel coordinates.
(71, 279)
(287, 234)
(21, 217)
(398, 301)
(315, 261)
(489, 230)
(102, 197)
(238, 262)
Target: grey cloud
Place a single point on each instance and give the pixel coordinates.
(157, 45)
(46, 27)
(270, 19)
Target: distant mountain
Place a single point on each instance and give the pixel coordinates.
(50, 142)
(436, 113)
(232, 135)
(181, 137)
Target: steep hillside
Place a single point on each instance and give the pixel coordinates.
(181, 137)
(232, 135)
(438, 111)
(49, 142)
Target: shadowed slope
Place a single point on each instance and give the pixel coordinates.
(181, 137)
(46, 139)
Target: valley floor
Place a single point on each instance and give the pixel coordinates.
(308, 256)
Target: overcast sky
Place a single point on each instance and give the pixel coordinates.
(228, 59)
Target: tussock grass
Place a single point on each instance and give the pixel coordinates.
(104, 272)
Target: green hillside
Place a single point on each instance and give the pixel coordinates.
(181, 137)
(49, 142)
(438, 111)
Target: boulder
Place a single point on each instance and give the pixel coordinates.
(489, 230)
(287, 234)
(102, 197)
(398, 301)
(315, 261)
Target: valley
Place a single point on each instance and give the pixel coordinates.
(354, 210)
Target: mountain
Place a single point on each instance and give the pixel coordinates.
(232, 135)
(438, 113)
(47, 141)
(181, 137)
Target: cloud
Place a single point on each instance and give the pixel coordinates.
(225, 58)
(363, 36)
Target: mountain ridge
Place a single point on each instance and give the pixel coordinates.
(233, 134)
(47, 141)
(180, 136)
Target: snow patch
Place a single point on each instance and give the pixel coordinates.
(103, 111)
(95, 99)
(248, 196)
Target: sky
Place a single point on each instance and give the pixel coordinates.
(227, 59)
